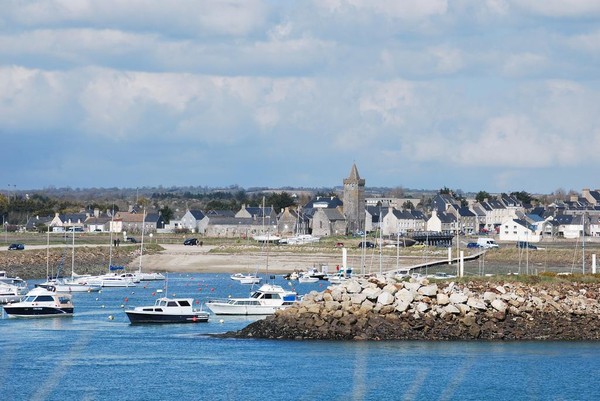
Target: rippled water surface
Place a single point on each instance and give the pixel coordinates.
(93, 357)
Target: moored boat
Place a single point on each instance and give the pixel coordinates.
(168, 310)
(17, 281)
(245, 278)
(9, 293)
(265, 301)
(41, 302)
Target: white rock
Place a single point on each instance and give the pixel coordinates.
(414, 287)
(476, 303)
(358, 299)
(372, 293)
(390, 288)
(489, 296)
(402, 306)
(501, 289)
(385, 298)
(457, 298)
(499, 305)
(428, 290)
(422, 307)
(353, 287)
(405, 296)
(451, 309)
(442, 299)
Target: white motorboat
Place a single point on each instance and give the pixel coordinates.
(264, 301)
(149, 276)
(17, 281)
(41, 302)
(110, 280)
(245, 278)
(168, 310)
(71, 285)
(307, 278)
(9, 293)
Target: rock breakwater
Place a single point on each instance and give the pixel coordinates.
(384, 309)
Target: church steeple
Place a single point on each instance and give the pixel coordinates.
(354, 173)
(354, 200)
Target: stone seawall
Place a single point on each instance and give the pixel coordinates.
(384, 309)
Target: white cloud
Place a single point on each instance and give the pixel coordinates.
(191, 17)
(560, 8)
(407, 9)
(523, 64)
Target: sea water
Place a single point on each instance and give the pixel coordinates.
(98, 355)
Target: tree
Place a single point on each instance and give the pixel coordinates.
(522, 196)
(482, 196)
(167, 213)
(408, 205)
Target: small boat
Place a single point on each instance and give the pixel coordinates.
(307, 278)
(41, 302)
(264, 301)
(109, 280)
(150, 276)
(69, 286)
(17, 281)
(245, 278)
(168, 310)
(9, 293)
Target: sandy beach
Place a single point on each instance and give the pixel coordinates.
(181, 258)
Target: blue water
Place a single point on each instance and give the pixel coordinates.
(91, 357)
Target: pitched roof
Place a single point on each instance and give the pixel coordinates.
(197, 214)
(329, 202)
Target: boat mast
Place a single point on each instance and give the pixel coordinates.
(110, 247)
(48, 253)
(142, 242)
(73, 255)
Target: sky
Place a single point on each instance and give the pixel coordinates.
(492, 95)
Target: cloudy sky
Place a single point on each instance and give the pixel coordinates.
(495, 95)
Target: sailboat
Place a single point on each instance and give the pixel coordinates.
(139, 274)
(68, 285)
(112, 279)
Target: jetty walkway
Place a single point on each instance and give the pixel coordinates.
(436, 262)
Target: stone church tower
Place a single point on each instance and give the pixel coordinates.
(354, 201)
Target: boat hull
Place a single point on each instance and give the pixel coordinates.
(37, 311)
(136, 317)
(221, 308)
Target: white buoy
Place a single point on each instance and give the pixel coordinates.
(122, 306)
(102, 306)
(111, 317)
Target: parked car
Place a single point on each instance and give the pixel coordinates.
(366, 244)
(523, 244)
(16, 247)
(473, 245)
(191, 241)
(132, 240)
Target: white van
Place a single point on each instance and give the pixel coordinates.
(486, 243)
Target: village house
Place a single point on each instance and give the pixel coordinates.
(327, 222)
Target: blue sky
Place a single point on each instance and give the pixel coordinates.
(495, 95)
